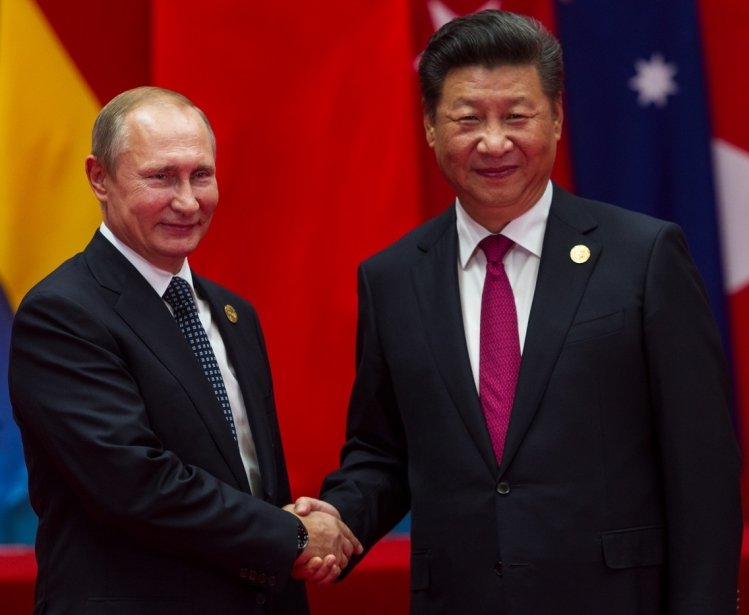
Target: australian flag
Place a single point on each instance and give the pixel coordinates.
(637, 117)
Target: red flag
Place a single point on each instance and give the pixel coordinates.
(314, 109)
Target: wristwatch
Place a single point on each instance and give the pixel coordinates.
(302, 538)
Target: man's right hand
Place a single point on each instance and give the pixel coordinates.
(331, 543)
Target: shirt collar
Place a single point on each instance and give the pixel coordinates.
(157, 278)
(527, 230)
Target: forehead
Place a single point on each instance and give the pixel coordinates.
(164, 124)
(477, 83)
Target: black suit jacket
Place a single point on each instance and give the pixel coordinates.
(618, 488)
(143, 503)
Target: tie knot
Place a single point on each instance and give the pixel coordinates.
(178, 294)
(495, 247)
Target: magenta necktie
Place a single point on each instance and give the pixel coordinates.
(499, 359)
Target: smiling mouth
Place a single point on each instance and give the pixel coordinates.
(179, 227)
(496, 172)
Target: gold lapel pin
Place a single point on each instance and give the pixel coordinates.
(231, 313)
(580, 254)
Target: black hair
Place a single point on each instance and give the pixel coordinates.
(490, 38)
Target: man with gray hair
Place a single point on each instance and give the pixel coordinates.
(144, 398)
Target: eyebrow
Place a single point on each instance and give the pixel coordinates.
(463, 100)
(171, 168)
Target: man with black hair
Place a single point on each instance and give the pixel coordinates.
(539, 377)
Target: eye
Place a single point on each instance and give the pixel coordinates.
(202, 174)
(468, 119)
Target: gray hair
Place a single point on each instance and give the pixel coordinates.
(108, 134)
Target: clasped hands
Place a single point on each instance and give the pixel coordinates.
(331, 543)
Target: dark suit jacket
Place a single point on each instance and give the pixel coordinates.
(144, 506)
(618, 489)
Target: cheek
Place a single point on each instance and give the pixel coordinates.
(457, 150)
(536, 146)
(207, 195)
(208, 205)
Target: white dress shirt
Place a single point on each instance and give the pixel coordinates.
(159, 280)
(521, 265)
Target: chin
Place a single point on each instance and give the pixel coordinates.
(173, 256)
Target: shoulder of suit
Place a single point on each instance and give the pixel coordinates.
(73, 271)
(573, 209)
(417, 241)
(69, 279)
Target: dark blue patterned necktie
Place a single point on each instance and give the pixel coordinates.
(179, 296)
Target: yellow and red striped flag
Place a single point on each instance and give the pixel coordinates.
(54, 68)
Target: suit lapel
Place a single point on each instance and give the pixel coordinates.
(149, 318)
(248, 361)
(435, 279)
(559, 289)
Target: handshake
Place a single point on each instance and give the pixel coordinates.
(330, 546)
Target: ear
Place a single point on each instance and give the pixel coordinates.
(557, 110)
(429, 128)
(97, 178)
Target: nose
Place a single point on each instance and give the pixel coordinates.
(184, 198)
(494, 140)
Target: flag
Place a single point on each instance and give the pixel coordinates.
(655, 113)
(725, 28)
(321, 155)
(315, 111)
(56, 60)
(17, 522)
(638, 118)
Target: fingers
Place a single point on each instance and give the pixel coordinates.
(327, 572)
(305, 505)
(357, 547)
(317, 571)
(331, 542)
(305, 569)
(302, 507)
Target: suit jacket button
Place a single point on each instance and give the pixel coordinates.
(260, 599)
(503, 488)
(498, 569)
